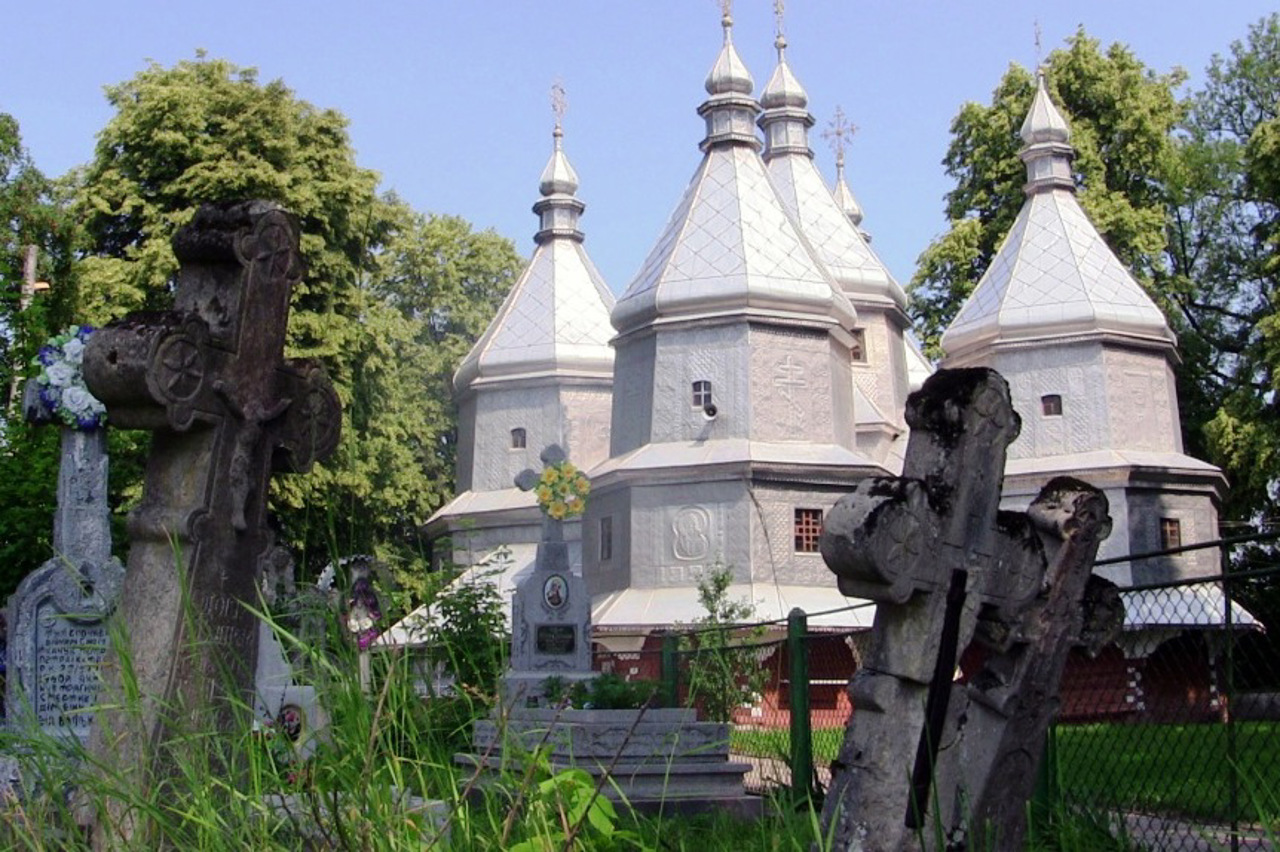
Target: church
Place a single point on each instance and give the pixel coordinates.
(757, 366)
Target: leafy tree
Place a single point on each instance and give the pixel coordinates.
(1224, 232)
(1121, 115)
(389, 301)
(430, 293)
(32, 213)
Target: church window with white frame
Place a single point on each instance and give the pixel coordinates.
(701, 393)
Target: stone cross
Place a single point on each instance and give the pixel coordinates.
(932, 548)
(226, 409)
(527, 480)
(550, 611)
(56, 622)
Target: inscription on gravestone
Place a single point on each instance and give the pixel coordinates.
(556, 639)
(57, 616)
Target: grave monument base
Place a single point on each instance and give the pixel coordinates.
(648, 759)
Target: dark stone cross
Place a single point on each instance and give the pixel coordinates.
(226, 409)
(933, 549)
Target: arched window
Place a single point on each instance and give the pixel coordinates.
(518, 438)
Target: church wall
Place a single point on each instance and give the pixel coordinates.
(498, 411)
(1140, 385)
(1198, 521)
(613, 573)
(673, 542)
(633, 365)
(586, 424)
(883, 376)
(714, 353)
(774, 558)
(794, 386)
(1075, 373)
(465, 466)
(844, 417)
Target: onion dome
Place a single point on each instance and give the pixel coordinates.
(731, 248)
(1054, 277)
(555, 320)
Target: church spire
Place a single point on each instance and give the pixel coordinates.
(786, 119)
(1047, 139)
(836, 131)
(730, 111)
(558, 210)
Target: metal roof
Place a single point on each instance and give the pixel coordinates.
(1054, 275)
(555, 320)
(730, 246)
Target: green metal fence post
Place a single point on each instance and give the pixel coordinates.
(801, 724)
(670, 691)
(1226, 697)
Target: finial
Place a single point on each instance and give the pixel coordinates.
(1039, 67)
(559, 106)
(780, 39)
(837, 129)
(726, 18)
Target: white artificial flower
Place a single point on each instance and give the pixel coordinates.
(60, 374)
(78, 401)
(73, 351)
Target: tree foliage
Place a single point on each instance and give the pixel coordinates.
(389, 302)
(1120, 114)
(1224, 232)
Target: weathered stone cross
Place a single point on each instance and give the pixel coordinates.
(208, 379)
(933, 549)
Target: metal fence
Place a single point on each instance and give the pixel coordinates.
(1170, 736)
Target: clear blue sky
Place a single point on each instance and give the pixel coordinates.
(449, 102)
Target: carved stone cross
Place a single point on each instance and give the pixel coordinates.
(933, 549)
(226, 409)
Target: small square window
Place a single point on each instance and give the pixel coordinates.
(1051, 405)
(858, 349)
(606, 538)
(518, 439)
(808, 530)
(701, 394)
(1170, 533)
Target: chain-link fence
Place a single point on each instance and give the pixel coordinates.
(1170, 735)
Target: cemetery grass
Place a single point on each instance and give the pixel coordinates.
(1179, 770)
(226, 792)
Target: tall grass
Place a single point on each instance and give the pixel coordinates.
(381, 754)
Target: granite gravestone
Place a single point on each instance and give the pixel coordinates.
(226, 409)
(57, 616)
(944, 564)
(550, 611)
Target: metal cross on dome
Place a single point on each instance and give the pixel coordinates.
(837, 130)
(559, 102)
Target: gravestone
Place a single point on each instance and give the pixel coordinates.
(550, 612)
(649, 758)
(279, 693)
(945, 565)
(226, 410)
(57, 617)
